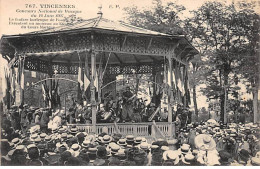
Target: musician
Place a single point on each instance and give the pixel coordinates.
(88, 114)
(151, 110)
(137, 111)
(127, 111)
(104, 116)
(79, 113)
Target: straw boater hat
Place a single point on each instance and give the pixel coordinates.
(37, 139)
(144, 146)
(121, 154)
(130, 139)
(43, 135)
(92, 152)
(172, 144)
(64, 135)
(33, 137)
(188, 158)
(85, 143)
(122, 142)
(204, 142)
(73, 129)
(111, 144)
(138, 140)
(91, 138)
(171, 155)
(106, 139)
(16, 141)
(256, 159)
(62, 130)
(164, 148)
(114, 148)
(76, 149)
(21, 148)
(185, 148)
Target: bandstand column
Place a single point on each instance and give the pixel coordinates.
(92, 87)
(185, 95)
(170, 97)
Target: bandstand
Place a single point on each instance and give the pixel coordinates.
(113, 48)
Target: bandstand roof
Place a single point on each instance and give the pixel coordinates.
(122, 43)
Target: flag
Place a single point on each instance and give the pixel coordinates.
(7, 95)
(96, 80)
(50, 98)
(13, 79)
(44, 93)
(178, 84)
(80, 77)
(186, 87)
(80, 81)
(86, 74)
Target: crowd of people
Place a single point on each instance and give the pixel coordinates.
(197, 144)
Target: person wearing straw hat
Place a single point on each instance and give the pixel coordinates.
(204, 142)
(255, 161)
(156, 156)
(170, 157)
(73, 130)
(116, 137)
(185, 149)
(76, 149)
(33, 153)
(130, 140)
(90, 137)
(172, 144)
(106, 139)
(122, 143)
(121, 155)
(92, 150)
(137, 141)
(16, 141)
(85, 144)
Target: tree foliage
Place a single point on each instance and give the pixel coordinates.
(161, 18)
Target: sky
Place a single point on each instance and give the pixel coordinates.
(112, 9)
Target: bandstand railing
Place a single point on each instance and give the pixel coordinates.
(145, 129)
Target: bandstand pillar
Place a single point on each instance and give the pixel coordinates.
(92, 87)
(170, 98)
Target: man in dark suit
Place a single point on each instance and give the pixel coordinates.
(127, 111)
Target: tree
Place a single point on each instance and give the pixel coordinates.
(194, 33)
(249, 67)
(165, 19)
(225, 34)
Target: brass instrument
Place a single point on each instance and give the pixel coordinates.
(107, 115)
(152, 116)
(129, 99)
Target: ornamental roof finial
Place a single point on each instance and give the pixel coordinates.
(100, 10)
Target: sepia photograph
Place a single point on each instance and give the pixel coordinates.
(130, 83)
